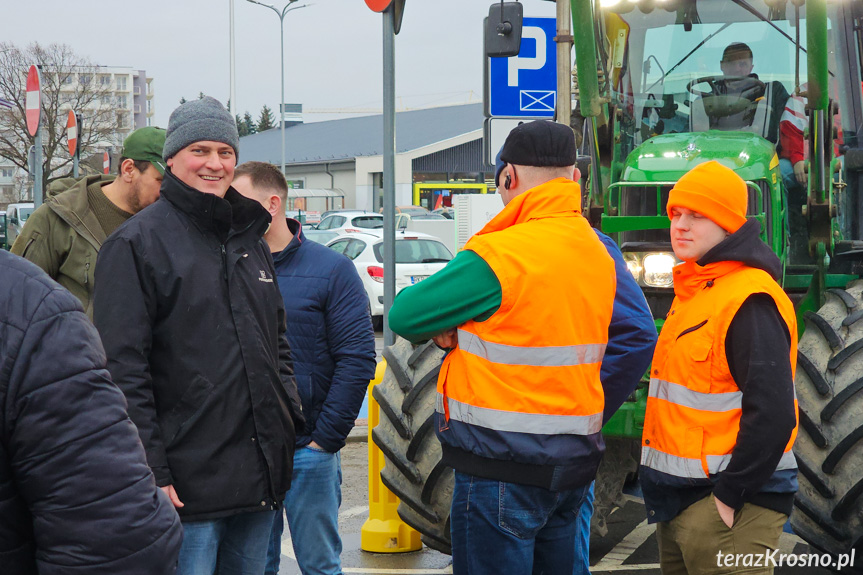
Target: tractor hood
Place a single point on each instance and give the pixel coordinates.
(667, 157)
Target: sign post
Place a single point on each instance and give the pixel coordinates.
(72, 140)
(106, 163)
(384, 531)
(33, 113)
(521, 88)
(392, 11)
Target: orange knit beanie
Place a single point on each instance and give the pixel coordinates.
(713, 191)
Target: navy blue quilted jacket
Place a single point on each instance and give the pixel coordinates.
(331, 337)
(76, 494)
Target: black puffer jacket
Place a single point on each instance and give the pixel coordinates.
(76, 495)
(194, 328)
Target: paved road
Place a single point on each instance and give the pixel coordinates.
(628, 549)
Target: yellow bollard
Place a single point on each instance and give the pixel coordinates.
(383, 531)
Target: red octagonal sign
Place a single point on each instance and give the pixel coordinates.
(378, 5)
(33, 104)
(72, 132)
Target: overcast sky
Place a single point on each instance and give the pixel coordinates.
(333, 48)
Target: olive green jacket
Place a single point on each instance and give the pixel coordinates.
(63, 237)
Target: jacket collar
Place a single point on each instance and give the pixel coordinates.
(742, 248)
(745, 246)
(560, 197)
(73, 206)
(299, 238)
(690, 278)
(223, 216)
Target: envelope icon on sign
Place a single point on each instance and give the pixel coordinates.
(536, 100)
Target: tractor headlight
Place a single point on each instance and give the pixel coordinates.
(651, 269)
(657, 270)
(633, 264)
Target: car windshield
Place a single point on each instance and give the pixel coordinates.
(24, 213)
(370, 222)
(416, 251)
(669, 66)
(414, 211)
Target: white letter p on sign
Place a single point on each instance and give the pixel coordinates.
(517, 63)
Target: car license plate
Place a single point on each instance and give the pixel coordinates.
(417, 279)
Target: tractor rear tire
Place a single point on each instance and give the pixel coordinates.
(406, 436)
(828, 510)
(618, 464)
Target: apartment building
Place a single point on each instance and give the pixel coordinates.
(128, 92)
(8, 172)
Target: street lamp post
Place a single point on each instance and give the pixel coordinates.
(281, 14)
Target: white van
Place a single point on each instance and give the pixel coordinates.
(16, 215)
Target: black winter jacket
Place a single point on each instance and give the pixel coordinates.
(76, 495)
(194, 328)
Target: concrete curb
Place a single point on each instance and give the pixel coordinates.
(360, 432)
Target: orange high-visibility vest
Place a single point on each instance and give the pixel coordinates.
(694, 405)
(532, 368)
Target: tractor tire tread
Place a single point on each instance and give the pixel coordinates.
(840, 400)
(414, 471)
(833, 338)
(815, 376)
(828, 508)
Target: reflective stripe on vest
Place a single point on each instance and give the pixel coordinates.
(717, 463)
(672, 464)
(513, 421)
(549, 356)
(682, 395)
(692, 469)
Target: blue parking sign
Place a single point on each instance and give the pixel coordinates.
(526, 85)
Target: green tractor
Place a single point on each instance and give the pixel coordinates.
(656, 98)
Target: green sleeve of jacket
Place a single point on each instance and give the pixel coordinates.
(465, 289)
(34, 243)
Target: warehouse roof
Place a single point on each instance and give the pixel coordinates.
(350, 138)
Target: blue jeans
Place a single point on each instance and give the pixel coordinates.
(510, 528)
(582, 535)
(238, 543)
(312, 508)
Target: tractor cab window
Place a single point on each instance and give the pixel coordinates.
(709, 65)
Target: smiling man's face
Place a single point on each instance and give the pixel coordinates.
(206, 166)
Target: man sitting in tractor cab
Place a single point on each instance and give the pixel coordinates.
(738, 100)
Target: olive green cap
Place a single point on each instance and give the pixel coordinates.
(146, 144)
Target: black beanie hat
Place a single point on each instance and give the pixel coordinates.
(541, 143)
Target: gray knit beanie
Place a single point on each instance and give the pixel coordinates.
(199, 120)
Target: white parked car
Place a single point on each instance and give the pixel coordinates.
(320, 236)
(342, 221)
(16, 216)
(417, 257)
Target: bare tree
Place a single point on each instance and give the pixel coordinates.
(69, 82)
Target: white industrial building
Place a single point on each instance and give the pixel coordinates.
(435, 144)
